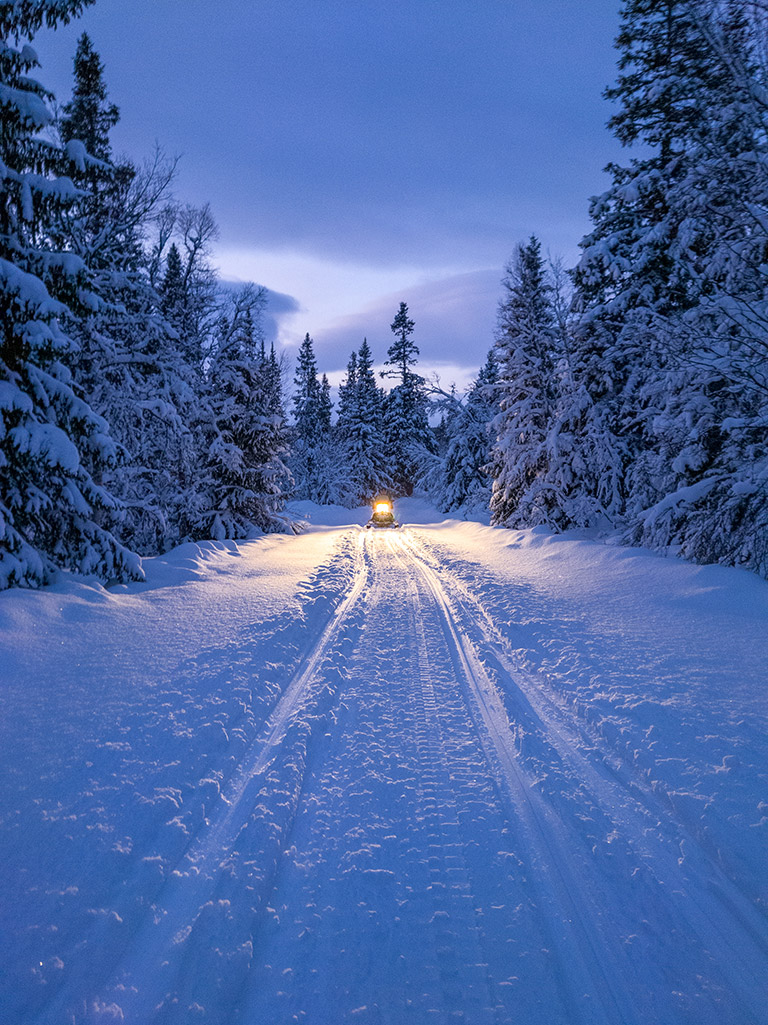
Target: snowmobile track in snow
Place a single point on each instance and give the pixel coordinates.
(194, 877)
(389, 838)
(627, 803)
(590, 976)
(457, 936)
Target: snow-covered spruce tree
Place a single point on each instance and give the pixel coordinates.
(127, 362)
(244, 475)
(53, 513)
(713, 503)
(330, 480)
(189, 291)
(449, 406)
(155, 397)
(319, 473)
(306, 396)
(305, 433)
(359, 428)
(652, 285)
(465, 479)
(527, 391)
(667, 70)
(347, 394)
(273, 370)
(406, 416)
(171, 291)
(628, 283)
(189, 306)
(88, 116)
(92, 227)
(325, 406)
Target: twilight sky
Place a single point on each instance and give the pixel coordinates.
(360, 152)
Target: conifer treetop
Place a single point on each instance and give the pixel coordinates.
(88, 117)
(403, 353)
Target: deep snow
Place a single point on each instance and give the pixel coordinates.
(447, 773)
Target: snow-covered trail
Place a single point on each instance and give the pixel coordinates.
(460, 872)
(422, 823)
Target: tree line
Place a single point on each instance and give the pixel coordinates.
(140, 404)
(639, 401)
(380, 438)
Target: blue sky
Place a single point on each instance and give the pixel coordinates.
(360, 152)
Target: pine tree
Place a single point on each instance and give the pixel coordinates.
(408, 434)
(465, 480)
(53, 513)
(325, 407)
(403, 353)
(96, 222)
(630, 280)
(245, 477)
(360, 429)
(88, 117)
(310, 462)
(173, 299)
(667, 75)
(186, 280)
(347, 392)
(306, 397)
(708, 495)
(527, 358)
(665, 363)
(273, 370)
(128, 360)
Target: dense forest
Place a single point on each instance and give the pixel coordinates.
(142, 405)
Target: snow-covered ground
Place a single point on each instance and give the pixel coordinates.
(447, 773)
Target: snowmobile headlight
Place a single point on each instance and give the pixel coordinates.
(383, 507)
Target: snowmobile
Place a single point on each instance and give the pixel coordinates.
(383, 515)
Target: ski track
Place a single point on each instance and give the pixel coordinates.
(404, 842)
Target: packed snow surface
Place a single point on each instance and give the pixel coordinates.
(439, 774)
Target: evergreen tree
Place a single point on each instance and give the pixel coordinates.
(668, 74)
(172, 292)
(53, 447)
(189, 289)
(317, 471)
(403, 353)
(408, 434)
(274, 379)
(708, 496)
(347, 392)
(88, 116)
(527, 358)
(360, 429)
(325, 407)
(450, 407)
(128, 360)
(244, 474)
(465, 480)
(629, 281)
(665, 365)
(306, 397)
